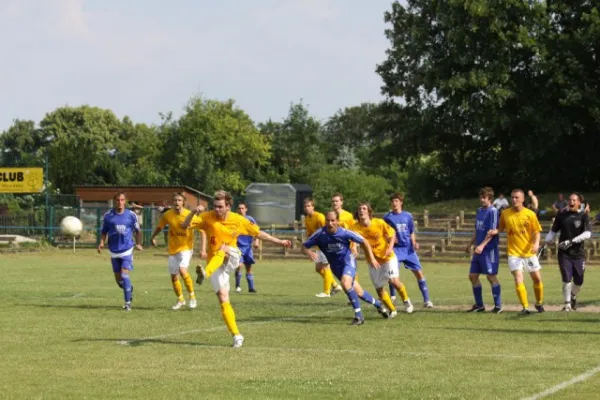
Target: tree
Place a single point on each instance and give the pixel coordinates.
(21, 143)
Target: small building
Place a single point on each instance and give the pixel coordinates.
(276, 203)
(144, 195)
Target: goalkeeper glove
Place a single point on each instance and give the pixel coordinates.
(564, 244)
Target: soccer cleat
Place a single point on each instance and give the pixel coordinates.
(252, 291)
(193, 303)
(525, 311)
(497, 310)
(428, 304)
(336, 290)
(393, 298)
(238, 289)
(127, 307)
(201, 274)
(383, 312)
(476, 308)
(322, 295)
(394, 313)
(238, 341)
(539, 308)
(357, 321)
(567, 307)
(180, 304)
(573, 303)
(408, 307)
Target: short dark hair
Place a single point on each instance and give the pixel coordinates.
(486, 191)
(180, 194)
(223, 195)
(369, 208)
(337, 194)
(518, 190)
(337, 214)
(579, 196)
(397, 195)
(309, 200)
(118, 194)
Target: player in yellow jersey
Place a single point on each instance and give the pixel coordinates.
(222, 227)
(313, 221)
(523, 241)
(180, 248)
(381, 238)
(346, 217)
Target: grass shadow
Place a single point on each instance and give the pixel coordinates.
(520, 331)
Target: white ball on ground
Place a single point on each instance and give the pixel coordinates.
(71, 226)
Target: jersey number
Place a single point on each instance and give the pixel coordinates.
(213, 240)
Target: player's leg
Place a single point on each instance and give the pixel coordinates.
(116, 267)
(578, 274)
(321, 270)
(515, 265)
(474, 272)
(248, 260)
(379, 278)
(392, 292)
(565, 267)
(492, 265)
(174, 261)
(533, 267)
(413, 263)
(368, 298)
(187, 278)
(393, 276)
(238, 278)
(347, 282)
(126, 268)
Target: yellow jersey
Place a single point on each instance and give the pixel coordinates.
(179, 239)
(378, 234)
(223, 232)
(346, 219)
(520, 226)
(313, 223)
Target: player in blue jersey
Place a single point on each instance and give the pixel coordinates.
(335, 242)
(118, 226)
(245, 243)
(485, 257)
(406, 244)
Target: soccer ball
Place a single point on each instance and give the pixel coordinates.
(71, 226)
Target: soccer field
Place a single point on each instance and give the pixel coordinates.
(63, 335)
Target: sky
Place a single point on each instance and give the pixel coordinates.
(141, 57)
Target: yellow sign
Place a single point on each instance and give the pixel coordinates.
(21, 180)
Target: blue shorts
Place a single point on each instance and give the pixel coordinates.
(119, 263)
(410, 259)
(346, 269)
(247, 255)
(486, 263)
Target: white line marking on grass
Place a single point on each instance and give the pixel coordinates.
(220, 327)
(563, 385)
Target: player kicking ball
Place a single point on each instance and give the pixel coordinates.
(574, 227)
(335, 243)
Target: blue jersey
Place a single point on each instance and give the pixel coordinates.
(245, 241)
(335, 246)
(486, 220)
(404, 226)
(120, 228)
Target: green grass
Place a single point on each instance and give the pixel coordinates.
(61, 327)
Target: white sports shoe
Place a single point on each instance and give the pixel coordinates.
(238, 341)
(428, 304)
(393, 314)
(336, 290)
(238, 289)
(409, 307)
(393, 298)
(567, 307)
(180, 304)
(193, 303)
(322, 295)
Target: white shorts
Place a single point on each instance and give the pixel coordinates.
(179, 260)
(389, 270)
(322, 259)
(529, 264)
(220, 278)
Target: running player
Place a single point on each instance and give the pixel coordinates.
(485, 259)
(245, 244)
(180, 247)
(380, 237)
(575, 228)
(334, 242)
(223, 228)
(314, 220)
(406, 244)
(118, 226)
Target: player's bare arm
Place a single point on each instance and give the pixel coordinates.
(390, 249)
(311, 254)
(369, 254)
(265, 236)
(203, 253)
(156, 232)
(413, 239)
(138, 240)
(536, 242)
(102, 241)
(472, 242)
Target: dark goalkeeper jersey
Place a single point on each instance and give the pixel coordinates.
(571, 224)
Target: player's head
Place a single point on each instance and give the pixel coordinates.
(222, 203)
(486, 196)
(518, 197)
(396, 201)
(337, 201)
(120, 201)
(364, 211)
(178, 200)
(575, 200)
(530, 193)
(242, 208)
(332, 219)
(500, 195)
(561, 197)
(309, 206)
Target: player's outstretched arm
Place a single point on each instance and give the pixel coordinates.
(188, 220)
(265, 236)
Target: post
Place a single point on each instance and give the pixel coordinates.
(416, 223)
(442, 246)
(462, 217)
(432, 251)
(296, 226)
(457, 222)
(449, 233)
(260, 252)
(47, 200)
(426, 219)
(98, 225)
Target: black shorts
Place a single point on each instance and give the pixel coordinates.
(570, 266)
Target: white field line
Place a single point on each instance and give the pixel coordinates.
(565, 384)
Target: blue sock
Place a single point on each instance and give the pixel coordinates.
(250, 279)
(126, 287)
(353, 297)
(478, 294)
(496, 293)
(392, 290)
(238, 279)
(366, 297)
(424, 289)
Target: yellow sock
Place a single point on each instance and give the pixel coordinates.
(522, 295)
(323, 273)
(189, 284)
(215, 262)
(229, 317)
(538, 289)
(177, 289)
(386, 299)
(403, 293)
(328, 280)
